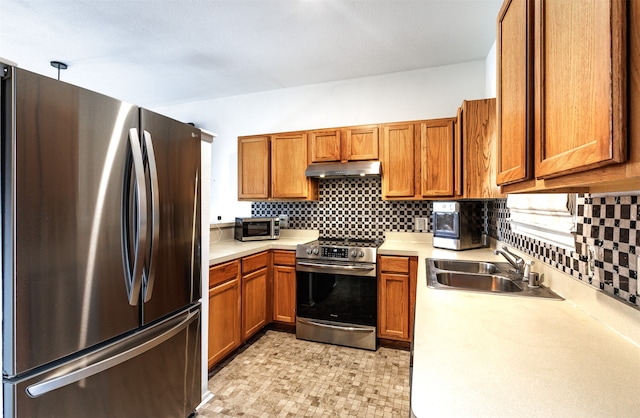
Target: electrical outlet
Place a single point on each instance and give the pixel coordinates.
(420, 224)
(591, 261)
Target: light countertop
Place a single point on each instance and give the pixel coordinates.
(479, 354)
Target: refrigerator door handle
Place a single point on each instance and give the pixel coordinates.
(133, 276)
(110, 361)
(155, 215)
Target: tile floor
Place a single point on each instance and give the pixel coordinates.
(277, 375)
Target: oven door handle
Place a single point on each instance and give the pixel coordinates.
(342, 328)
(366, 267)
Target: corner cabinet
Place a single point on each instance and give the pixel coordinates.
(562, 94)
(272, 167)
(477, 130)
(397, 279)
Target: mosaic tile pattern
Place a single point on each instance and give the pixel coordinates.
(610, 224)
(349, 204)
(276, 375)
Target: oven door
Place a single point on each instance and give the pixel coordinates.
(345, 296)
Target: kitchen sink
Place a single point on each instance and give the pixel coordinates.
(466, 266)
(481, 276)
(484, 282)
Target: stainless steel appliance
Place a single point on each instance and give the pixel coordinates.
(458, 225)
(257, 229)
(100, 255)
(336, 292)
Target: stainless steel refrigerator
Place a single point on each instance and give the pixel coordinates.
(100, 255)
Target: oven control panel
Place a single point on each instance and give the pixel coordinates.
(333, 252)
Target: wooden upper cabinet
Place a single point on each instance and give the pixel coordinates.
(253, 167)
(289, 161)
(344, 144)
(325, 145)
(514, 91)
(564, 81)
(437, 153)
(398, 161)
(580, 85)
(360, 143)
(479, 148)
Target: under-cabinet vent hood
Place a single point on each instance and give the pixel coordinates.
(350, 169)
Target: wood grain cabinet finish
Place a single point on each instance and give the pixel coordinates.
(255, 275)
(437, 152)
(399, 169)
(253, 167)
(272, 167)
(579, 85)
(224, 310)
(478, 143)
(284, 286)
(289, 161)
(397, 280)
(573, 103)
(514, 67)
(356, 143)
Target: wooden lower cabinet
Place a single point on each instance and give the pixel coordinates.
(254, 302)
(284, 286)
(397, 279)
(255, 275)
(224, 310)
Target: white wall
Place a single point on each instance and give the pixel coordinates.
(419, 94)
(490, 72)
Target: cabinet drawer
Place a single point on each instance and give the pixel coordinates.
(284, 258)
(394, 264)
(223, 272)
(255, 262)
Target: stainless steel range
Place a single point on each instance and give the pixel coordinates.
(336, 301)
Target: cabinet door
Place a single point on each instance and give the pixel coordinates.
(437, 158)
(398, 162)
(284, 294)
(360, 143)
(288, 164)
(515, 91)
(393, 310)
(224, 320)
(580, 85)
(325, 145)
(254, 302)
(479, 138)
(253, 167)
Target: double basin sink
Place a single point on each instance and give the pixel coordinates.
(481, 276)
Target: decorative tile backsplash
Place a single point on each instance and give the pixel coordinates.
(350, 207)
(354, 207)
(609, 224)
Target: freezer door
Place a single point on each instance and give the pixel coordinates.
(172, 273)
(152, 373)
(66, 157)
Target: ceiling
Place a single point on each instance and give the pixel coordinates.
(158, 52)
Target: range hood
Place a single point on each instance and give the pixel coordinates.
(338, 170)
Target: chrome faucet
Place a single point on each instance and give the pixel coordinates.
(517, 262)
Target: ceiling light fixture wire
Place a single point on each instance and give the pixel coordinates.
(60, 66)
